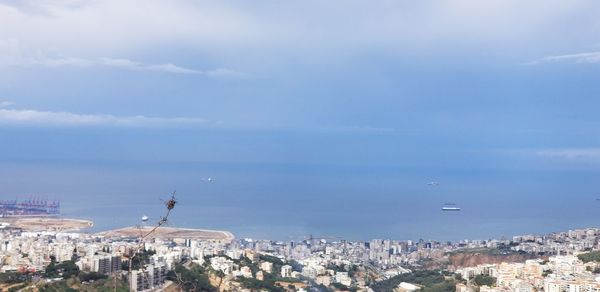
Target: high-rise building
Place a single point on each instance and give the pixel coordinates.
(106, 264)
(152, 277)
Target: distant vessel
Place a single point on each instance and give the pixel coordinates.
(144, 218)
(449, 208)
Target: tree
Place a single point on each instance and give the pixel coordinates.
(67, 269)
(593, 256)
(484, 280)
(51, 271)
(92, 276)
(193, 279)
(341, 287)
(430, 280)
(141, 259)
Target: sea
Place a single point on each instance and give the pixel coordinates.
(294, 201)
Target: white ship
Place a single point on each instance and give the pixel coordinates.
(447, 208)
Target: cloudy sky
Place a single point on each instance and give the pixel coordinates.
(100, 90)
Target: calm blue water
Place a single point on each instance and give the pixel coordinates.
(289, 201)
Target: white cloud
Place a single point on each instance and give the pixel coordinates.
(112, 27)
(5, 103)
(12, 53)
(571, 153)
(119, 63)
(35, 118)
(50, 118)
(589, 57)
(222, 72)
(231, 27)
(43, 7)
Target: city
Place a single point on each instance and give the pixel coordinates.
(60, 260)
(315, 146)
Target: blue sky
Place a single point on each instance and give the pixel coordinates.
(286, 100)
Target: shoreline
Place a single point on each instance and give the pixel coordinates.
(170, 232)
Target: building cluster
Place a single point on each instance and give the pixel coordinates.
(558, 273)
(34, 251)
(316, 261)
(563, 271)
(309, 262)
(559, 243)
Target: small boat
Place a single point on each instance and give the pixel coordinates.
(448, 208)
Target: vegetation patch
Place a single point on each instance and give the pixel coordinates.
(431, 281)
(593, 256)
(484, 280)
(192, 279)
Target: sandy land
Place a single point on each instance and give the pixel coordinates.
(47, 223)
(170, 233)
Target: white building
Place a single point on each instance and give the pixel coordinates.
(286, 271)
(246, 272)
(343, 278)
(266, 266)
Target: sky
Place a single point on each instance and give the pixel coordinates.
(312, 117)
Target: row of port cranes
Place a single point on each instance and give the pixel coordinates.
(29, 207)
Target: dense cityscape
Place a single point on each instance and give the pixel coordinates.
(81, 261)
